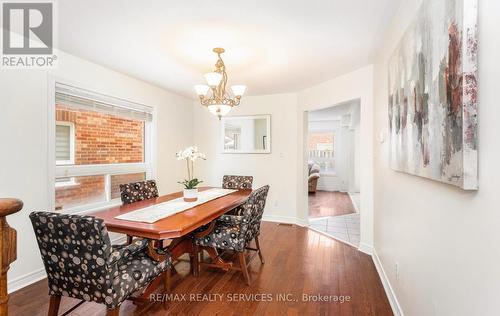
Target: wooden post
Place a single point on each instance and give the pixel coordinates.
(8, 252)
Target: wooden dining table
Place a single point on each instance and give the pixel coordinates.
(177, 227)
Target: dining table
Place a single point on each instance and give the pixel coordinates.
(179, 229)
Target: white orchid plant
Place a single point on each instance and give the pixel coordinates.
(190, 154)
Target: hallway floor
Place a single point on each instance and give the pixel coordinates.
(329, 203)
(345, 228)
(334, 214)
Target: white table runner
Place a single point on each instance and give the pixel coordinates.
(156, 212)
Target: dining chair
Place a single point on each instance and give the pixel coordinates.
(138, 191)
(81, 263)
(235, 232)
(237, 182)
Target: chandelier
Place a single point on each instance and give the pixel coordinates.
(218, 100)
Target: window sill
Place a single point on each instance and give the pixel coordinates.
(66, 185)
(328, 174)
(90, 208)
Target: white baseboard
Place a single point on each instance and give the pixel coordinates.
(391, 295)
(286, 219)
(366, 248)
(38, 274)
(25, 280)
(120, 240)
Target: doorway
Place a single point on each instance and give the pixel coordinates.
(333, 171)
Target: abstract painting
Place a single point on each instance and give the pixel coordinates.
(433, 95)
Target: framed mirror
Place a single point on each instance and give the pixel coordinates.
(246, 134)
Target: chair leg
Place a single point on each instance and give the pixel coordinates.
(167, 286)
(113, 312)
(167, 281)
(196, 260)
(54, 302)
(243, 264)
(129, 239)
(260, 250)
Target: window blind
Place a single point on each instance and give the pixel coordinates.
(63, 142)
(84, 99)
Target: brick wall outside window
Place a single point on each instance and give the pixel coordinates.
(319, 138)
(100, 139)
(86, 190)
(103, 138)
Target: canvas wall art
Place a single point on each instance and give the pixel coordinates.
(433, 95)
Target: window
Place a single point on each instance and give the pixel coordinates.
(100, 142)
(65, 182)
(321, 147)
(65, 143)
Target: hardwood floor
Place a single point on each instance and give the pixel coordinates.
(298, 261)
(325, 203)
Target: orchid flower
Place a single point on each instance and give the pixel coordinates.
(190, 154)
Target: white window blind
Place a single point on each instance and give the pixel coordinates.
(63, 142)
(84, 99)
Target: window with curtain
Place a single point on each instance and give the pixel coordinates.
(321, 147)
(100, 142)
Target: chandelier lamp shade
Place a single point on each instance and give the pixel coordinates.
(214, 95)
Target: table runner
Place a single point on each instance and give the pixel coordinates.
(156, 212)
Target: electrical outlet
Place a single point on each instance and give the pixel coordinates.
(275, 203)
(396, 270)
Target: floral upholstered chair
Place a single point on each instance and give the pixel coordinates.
(235, 232)
(138, 191)
(237, 182)
(81, 263)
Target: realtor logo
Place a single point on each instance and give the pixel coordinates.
(28, 34)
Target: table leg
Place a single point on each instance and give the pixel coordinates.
(217, 261)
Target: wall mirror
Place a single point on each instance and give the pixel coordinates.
(246, 134)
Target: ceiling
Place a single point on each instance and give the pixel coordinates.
(334, 113)
(271, 46)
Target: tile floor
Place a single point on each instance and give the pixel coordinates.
(344, 228)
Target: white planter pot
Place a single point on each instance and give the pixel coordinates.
(190, 195)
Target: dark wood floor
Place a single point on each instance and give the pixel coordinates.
(326, 203)
(298, 261)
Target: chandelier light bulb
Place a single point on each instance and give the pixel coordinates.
(238, 90)
(219, 109)
(213, 78)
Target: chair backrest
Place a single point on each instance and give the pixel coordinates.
(138, 191)
(237, 182)
(74, 250)
(253, 209)
(315, 168)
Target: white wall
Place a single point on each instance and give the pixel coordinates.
(445, 240)
(278, 169)
(23, 139)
